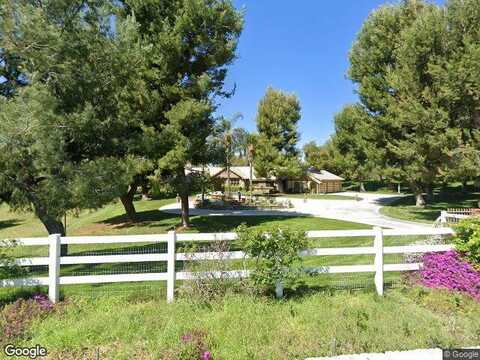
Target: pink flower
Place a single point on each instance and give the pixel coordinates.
(448, 270)
(207, 355)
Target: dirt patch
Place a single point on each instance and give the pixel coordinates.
(94, 229)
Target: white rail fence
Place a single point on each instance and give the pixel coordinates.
(454, 216)
(54, 261)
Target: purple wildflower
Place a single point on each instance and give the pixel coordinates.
(186, 338)
(18, 316)
(448, 270)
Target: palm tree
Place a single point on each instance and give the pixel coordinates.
(226, 139)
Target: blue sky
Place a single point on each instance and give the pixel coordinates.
(301, 47)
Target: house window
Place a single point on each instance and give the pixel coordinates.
(234, 181)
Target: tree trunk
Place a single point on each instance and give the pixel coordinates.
(185, 210)
(53, 226)
(362, 186)
(127, 201)
(419, 200)
(429, 192)
(399, 188)
(228, 181)
(203, 184)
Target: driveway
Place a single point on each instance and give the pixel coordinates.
(364, 211)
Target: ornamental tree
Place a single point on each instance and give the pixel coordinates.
(39, 172)
(391, 62)
(190, 44)
(276, 152)
(63, 133)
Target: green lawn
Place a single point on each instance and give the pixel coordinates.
(111, 221)
(405, 208)
(320, 196)
(247, 327)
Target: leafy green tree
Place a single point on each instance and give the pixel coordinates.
(325, 157)
(241, 141)
(69, 149)
(190, 123)
(36, 167)
(355, 157)
(457, 81)
(391, 62)
(191, 43)
(276, 152)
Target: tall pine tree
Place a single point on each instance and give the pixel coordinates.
(276, 152)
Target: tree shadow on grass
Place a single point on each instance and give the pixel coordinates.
(4, 224)
(308, 290)
(201, 223)
(442, 200)
(148, 218)
(230, 223)
(10, 295)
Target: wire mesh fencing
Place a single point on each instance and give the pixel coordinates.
(194, 262)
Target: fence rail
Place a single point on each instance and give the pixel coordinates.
(54, 260)
(454, 216)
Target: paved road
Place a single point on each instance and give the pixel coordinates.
(364, 211)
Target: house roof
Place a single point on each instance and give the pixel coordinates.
(241, 171)
(323, 175)
(244, 173)
(210, 170)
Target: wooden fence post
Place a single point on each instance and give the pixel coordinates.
(54, 267)
(172, 239)
(378, 246)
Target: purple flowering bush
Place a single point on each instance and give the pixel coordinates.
(193, 346)
(449, 270)
(16, 318)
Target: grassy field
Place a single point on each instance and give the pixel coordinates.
(111, 221)
(132, 320)
(405, 208)
(321, 324)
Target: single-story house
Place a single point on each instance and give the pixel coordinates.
(323, 181)
(239, 176)
(314, 181)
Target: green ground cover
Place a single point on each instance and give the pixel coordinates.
(318, 281)
(320, 324)
(111, 221)
(405, 208)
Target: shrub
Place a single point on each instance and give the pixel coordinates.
(273, 255)
(448, 270)
(8, 267)
(467, 239)
(16, 318)
(211, 280)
